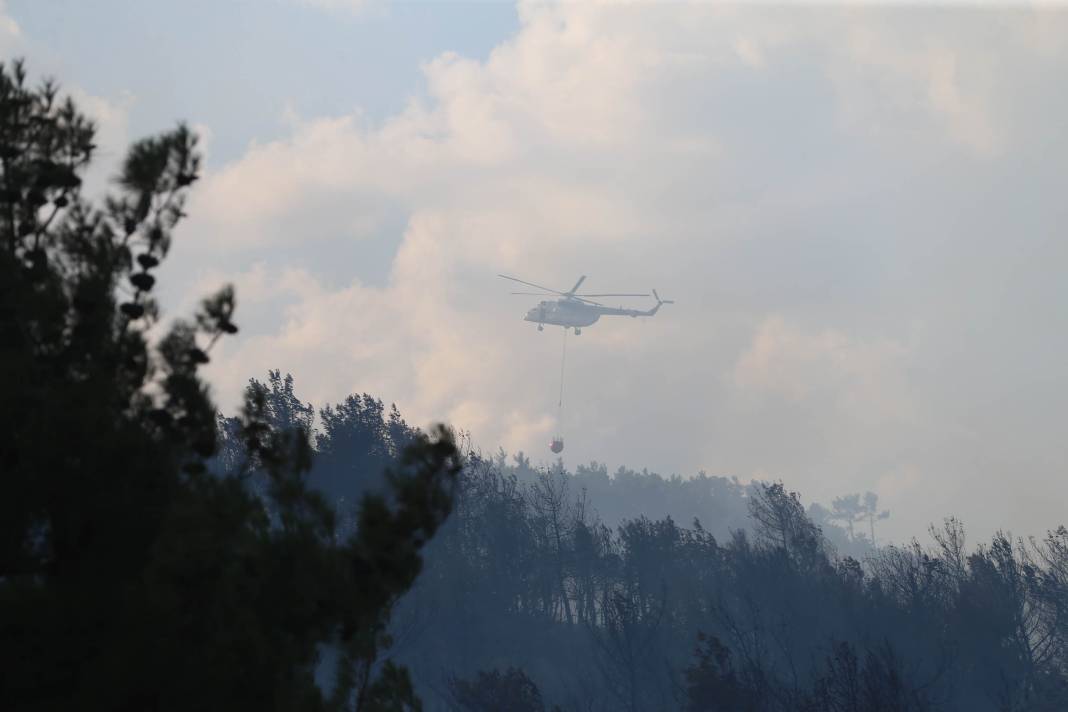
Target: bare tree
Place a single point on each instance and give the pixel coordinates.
(553, 510)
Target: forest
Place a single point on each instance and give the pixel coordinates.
(694, 593)
(158, 554)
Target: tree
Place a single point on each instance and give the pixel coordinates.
(780, 520)
(132, 576)
(625, 648)
(494, 690)
(851, 510)
(551, 505)
(283, 413)
(879, 683)
(713, 684)
(357, 441)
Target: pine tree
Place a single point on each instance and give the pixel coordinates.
(133, 576)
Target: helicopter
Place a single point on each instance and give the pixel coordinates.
(575, 310)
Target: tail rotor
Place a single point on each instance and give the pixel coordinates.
(660, 301)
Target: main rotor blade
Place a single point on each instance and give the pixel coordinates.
(571, 297)
(531, 284)
(584, 301)
(577, 285)
(611, 295)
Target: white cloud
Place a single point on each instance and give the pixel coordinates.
(111, 116)
(888, 77)
(804, 182)
(10, 33)
(863, 380)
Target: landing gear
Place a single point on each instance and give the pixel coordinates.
(541, 328)
(577, 331)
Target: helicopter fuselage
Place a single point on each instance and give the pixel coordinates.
(563, 312)
(573, 313)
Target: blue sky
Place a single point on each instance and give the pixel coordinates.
(242, 70)
(238, 66)
(858, 209)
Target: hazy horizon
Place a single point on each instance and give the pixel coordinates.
(856, 209)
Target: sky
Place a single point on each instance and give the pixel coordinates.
(858, 209)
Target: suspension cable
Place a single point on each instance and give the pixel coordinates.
(563, 361)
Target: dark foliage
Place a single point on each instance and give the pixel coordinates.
(525, 581)
(525, 575)
(714, 684)
(491, 691)
(132, 576)
(356, 441)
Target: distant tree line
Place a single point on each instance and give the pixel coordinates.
(530, 600)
